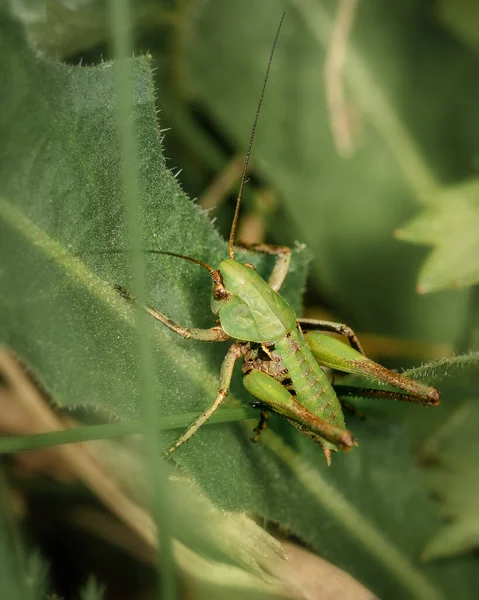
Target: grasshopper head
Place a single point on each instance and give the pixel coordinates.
(248, 308)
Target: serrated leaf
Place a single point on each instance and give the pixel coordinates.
(61, 200)
(457, 378)
(450, 225)
(437, 370)
(60, 215)
(453, 453)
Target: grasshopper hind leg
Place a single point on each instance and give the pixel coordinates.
(270, 392)
(336, 355)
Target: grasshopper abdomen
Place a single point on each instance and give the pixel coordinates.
(301, 390)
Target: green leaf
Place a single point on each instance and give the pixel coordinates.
(456, 378)
(453, 453)
(462, 17)
(60, 217)
(346, 211)
(450, 225)
(60, 205)
(92, 590)
(23, 575)
(23, 580)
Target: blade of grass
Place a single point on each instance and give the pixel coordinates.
(122, 44)
(22, 443)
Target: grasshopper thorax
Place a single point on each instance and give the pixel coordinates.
(251, 310)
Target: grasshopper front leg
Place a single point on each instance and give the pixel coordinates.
(235, 351)
(335, 354)
(214, 334)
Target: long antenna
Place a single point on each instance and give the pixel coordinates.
(248, 152)
(193, 260)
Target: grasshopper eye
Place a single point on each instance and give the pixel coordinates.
(219, 291)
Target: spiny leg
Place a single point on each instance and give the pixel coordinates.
(351, 391)
(214, 334)
(281, 267)
(270, 392)
(227, 367)
(342, 438)
(263, 423)
(332, 327)
(333, 353)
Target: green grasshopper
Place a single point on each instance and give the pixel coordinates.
(282, 355)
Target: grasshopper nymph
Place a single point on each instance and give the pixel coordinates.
(282, 355)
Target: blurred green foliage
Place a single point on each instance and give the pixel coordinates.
(412, 92)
